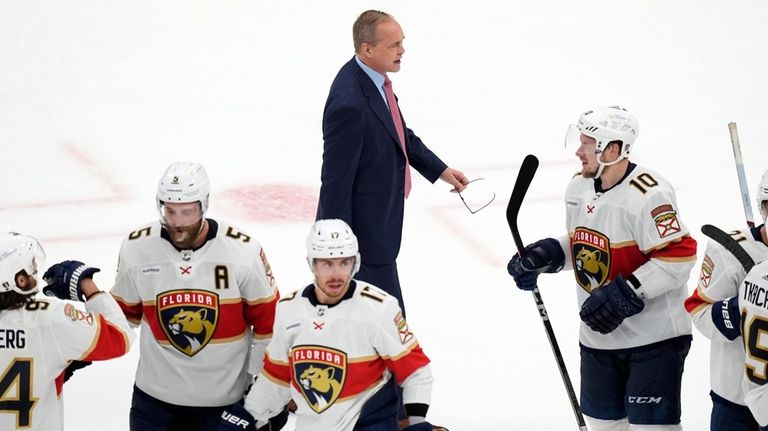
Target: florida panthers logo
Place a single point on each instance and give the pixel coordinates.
(188, 318)
(707, 265)
(319, 374)
(591, 258)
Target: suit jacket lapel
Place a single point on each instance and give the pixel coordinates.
(376, 102)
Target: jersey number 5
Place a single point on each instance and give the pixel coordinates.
(19, 374)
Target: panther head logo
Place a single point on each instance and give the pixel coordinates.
(319, 374)
(591, 258)
(320, 383)
(192, 326)
(188, 318)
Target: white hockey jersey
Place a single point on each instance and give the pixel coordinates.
(632, 229)
(753, 302)
(37, 343)
(720, 278)
(199, 312)
(331, 360)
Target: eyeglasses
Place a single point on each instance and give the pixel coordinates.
(479, 196)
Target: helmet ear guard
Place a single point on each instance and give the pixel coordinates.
(183, 182)
(332, 239)
(19, 253)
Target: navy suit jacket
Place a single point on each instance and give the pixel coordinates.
(363, 174)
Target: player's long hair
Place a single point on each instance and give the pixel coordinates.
(13, 300)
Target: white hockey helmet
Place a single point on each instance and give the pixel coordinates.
(608, 124)
(331, 239)
(762, 196)
(183, 182)
(18, 253)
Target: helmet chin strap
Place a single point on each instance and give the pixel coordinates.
(601, 165)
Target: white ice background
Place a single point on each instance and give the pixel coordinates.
(98, 97)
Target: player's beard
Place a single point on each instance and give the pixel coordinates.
(184, 237)
(588, 172)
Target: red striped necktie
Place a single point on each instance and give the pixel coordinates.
(394, 111)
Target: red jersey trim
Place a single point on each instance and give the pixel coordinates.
(133, 311)
(110, 342)
(276, 370)
(696, 302)
(403, 366)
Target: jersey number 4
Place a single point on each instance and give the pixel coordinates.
(18, 401)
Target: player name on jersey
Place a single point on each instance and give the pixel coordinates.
(755, 294)
(12, 338)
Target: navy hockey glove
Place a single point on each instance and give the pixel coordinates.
(64, 278)
(726, 317)
(544, 255)
(609, 305)
(236, 417)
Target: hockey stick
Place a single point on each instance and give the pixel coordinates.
(729, 244)
(524, 178)
(740, 172)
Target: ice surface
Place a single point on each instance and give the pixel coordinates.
(97, 97)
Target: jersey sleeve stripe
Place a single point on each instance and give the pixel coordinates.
(59, 384)
(278, 371)
(681, 247)
(273, 379)
(132, 311)
(261, 316)
(404, 366)
(696, 302)
(110, 342)
(266, 300)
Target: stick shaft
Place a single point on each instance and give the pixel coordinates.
(740, 172)
(524, 178)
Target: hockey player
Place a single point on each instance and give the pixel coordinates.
(631, 256)
(203, 294)
(339, 348)
(40, 337)
(753, 303)
(714, 308)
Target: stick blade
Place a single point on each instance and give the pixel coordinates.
(729, 244)
(524, 177)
